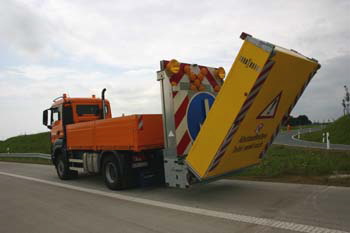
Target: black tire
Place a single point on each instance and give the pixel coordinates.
(115, 171)
(62, 168)
(111, 173)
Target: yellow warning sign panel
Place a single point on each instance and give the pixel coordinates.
(260, 91)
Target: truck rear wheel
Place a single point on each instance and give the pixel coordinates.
(62, 168)
(112, 173)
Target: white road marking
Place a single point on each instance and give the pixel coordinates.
(211, 213)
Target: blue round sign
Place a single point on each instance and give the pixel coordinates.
(197, 112)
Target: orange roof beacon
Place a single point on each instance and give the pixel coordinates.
(212, 124)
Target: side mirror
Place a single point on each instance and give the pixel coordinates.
(45, 118)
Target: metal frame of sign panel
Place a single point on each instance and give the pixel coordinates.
(176, 97)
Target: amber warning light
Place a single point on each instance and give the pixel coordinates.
(173, 66)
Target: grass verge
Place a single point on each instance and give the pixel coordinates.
(300, 165)
(339, 132)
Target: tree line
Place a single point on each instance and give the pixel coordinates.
(300, 120)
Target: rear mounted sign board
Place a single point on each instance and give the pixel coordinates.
(187, 97)
(214, 128)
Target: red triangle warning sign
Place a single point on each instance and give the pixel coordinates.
(271, 109)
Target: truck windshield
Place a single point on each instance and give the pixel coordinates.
(88, 109)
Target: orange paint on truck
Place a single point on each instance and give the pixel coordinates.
(121, 133)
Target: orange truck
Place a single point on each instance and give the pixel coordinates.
(211, 126)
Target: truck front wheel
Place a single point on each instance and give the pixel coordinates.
(62, 168)
(112, 174)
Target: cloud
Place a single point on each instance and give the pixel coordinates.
(322, 99)
(50, 47)
(23, 31)
(26, 91)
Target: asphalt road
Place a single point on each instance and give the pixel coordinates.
(286, 138)
(33, 199)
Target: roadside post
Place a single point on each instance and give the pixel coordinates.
(328, 142)
(8, 150)
(323, 137)
(299, 134)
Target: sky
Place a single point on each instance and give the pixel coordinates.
(78, 47)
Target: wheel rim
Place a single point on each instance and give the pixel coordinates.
(60, 167)
(111, 172)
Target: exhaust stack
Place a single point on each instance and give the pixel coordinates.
(103, 103)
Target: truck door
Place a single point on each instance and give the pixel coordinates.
(56, 123)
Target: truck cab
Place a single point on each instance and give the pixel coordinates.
(65, 111)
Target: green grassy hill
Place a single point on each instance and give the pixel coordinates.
(39, 143)
(339, 132)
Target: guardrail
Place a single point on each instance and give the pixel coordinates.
(26, 155)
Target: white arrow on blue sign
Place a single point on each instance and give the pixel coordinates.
(197, 111)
